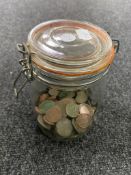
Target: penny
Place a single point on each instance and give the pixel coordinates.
(53, 92)
(42, 124)
(83, 121)
(87, 109)
(72, 110)
(52, 98)
(81, 97)
(45, 106)
(45, 119)
(43, 97)
(62, 104)
(53, 115)
(64, 128)
(84, 109)
(77, 128)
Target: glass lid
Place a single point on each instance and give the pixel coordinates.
(70, 43)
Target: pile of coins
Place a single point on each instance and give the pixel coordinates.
(64, 113)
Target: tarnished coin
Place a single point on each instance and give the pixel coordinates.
(62, 104)
(45, 106)
(71, 94)
(64, 94)
(77, 128)
(53, 115)
(37, 110)
(88, 91)
(41, 123)
(72, 110)
(64, 127)
(43, 97)
(45, 119)
(81, 97)
(83, 121)
(87, 109)
(53, 92)
(52, 98)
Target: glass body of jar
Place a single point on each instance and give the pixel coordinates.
(65, 110)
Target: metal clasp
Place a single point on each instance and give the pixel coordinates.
(27, 70)
(116, 44)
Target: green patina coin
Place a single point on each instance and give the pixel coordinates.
(72, 110)
(45, 106)
(62, 104)
(71, 94)
(81, 97)
(64, 127)
(64, 94)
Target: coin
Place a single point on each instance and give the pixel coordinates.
(46, 105)
(71, 94)
(43, 97)
(37, 110)
(52, 98)
(62, 104)
(88, 91)
(42, 124)
(83, 121)
(87, 109)
(64, 127)
(77, 128)
(72, 110)
(62, 94)
(84, 109)
(46, 121)
(81, 97)
(53, 115)
(53, 92)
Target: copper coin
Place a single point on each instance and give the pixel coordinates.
(43, 97)
(83, 121)
(86, 109)
(42, 124)
(53, 115)
(77, 128)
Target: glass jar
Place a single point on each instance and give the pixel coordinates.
(66, 62)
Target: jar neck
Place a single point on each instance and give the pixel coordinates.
(66, 81)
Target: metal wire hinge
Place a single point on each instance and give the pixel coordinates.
(27, 70)
(116, 44)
